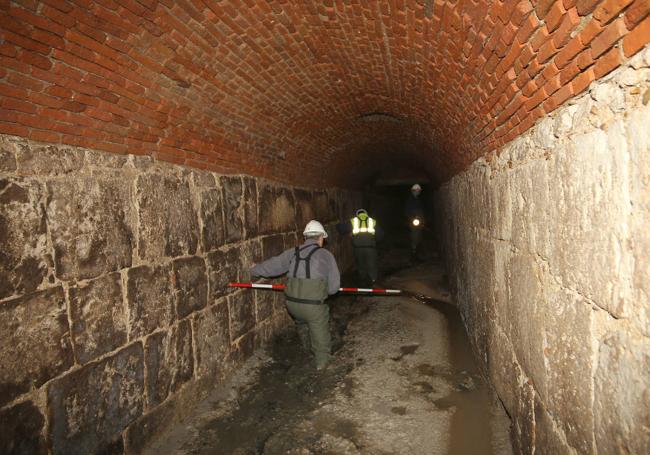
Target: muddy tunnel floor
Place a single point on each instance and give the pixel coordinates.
(402, 381)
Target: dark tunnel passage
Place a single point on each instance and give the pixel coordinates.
(152, 151)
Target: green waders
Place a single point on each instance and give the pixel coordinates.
(305, 302)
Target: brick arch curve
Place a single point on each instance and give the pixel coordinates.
(275, 89)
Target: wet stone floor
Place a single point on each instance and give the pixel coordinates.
(402, 381)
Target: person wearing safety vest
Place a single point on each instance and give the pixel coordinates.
(364, 240)
(313, 275)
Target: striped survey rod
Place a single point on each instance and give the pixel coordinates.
(348, 290)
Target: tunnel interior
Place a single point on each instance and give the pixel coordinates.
(151, 151)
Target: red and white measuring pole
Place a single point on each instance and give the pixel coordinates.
(282, 286)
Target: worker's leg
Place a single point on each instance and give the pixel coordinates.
(319, 330)
(317, 318)
(367, 267)
(360, 261)
(295, 310)
(303, 333)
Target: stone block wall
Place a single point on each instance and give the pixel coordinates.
(548, 247)
(114, 309)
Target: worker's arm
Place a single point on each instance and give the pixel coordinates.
(333, 276)
(275, 266)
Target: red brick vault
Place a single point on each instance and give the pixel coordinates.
(286, 89)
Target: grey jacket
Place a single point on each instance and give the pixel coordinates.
(322, 265)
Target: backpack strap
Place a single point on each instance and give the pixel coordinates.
(306, 259)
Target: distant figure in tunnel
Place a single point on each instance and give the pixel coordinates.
(365, 234)
(415, 215)
(313, 276)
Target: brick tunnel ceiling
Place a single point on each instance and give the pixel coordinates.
(305, 92)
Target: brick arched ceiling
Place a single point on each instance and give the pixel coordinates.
(311, 92)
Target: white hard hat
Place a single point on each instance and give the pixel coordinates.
(416, 187)
(360, 211)
(314, 227)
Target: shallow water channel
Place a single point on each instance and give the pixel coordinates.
(403, 380)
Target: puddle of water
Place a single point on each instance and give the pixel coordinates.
(471, 432)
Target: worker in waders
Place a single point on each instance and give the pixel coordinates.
(312, 276)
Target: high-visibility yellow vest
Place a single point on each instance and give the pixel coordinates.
(366, 226)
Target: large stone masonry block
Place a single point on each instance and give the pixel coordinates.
(480, 316)
(640, 235)
(265, 303)
(88, 221)
(168, 225)
(223, 267)
(147, 429)
(569, 359)
(473, 188)
(265, 333)
(233, 191)
(589, 213)
(22, 427)
(213, 232)
(523, 419)
(530, 207)
(91, 406)
(169, 362)
(23, 243)
(305, 208)
(212, 338)
(36, 339)
(502, 255)
(242, 313)
(249, 253)
(243, 348)
(504, 371)
(524, 312)
(268, 301)
(191, 283)
(347, 204)
(279, 209)
(251, 207)
(7, 155)
(106, 161)
(333, 203)
(501, 206)
(548, 438)
(98, 317)
(48, 159)
(320, 205)
(272, 245)
(150, 298)
(622, 394)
